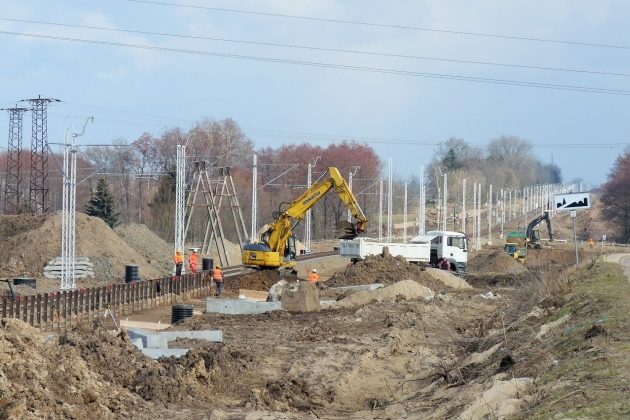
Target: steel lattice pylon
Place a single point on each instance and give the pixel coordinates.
(14, 165)
(211, 191)
(38, 191)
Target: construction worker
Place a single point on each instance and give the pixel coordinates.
(313, 277)
(591, 243)
(192, 261)
(179, 262)
(218, 278)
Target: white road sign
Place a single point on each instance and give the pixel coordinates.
(575, 201)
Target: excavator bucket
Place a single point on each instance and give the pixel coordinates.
(346, 230)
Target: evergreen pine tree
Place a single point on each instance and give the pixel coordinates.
(101, 204)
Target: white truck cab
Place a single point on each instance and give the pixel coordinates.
(446, 244)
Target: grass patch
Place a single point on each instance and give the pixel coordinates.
(589, 357)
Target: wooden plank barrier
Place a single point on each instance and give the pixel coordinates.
(64, 309)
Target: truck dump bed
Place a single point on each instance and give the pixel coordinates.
(359, 248)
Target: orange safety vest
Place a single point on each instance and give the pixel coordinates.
(313, 277)
(192, 260)
(217, 275)
(179, 259)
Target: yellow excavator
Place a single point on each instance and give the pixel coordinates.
(277, 244)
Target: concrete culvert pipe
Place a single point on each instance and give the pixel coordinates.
(181, 311)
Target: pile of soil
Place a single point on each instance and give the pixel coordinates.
(379, 269)
(95, 374)
(150, 246)
(258, 280)
(495, 262)
(448, 279)
(41, 379)
(31, 241)
(406, 289)
(544, 257)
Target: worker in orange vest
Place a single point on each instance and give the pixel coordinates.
(313, 277)
(192, 261)
(179, 262)
(218, 278)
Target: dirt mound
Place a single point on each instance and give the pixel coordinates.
(37, 239)
(191, 380)
(257, 280)
(495, 262)
(150, 246)
(545, 257)
(448, 279)
(406, 289)
(379, 269)
(40, 379)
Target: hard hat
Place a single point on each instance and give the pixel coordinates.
(178, 252)
(218, 267)
(314, 270)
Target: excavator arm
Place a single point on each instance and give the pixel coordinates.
(529, 234)
(277, 236)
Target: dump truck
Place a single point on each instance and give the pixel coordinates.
(426, 249)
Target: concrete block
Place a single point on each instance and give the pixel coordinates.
(145, 339)
(148, 339)
(213, 336)
(361, 287)
(157, 353)
(240, 306)
(301, 297)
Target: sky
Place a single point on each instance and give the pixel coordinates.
(401, 106)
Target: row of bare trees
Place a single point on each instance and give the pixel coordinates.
(141, 173)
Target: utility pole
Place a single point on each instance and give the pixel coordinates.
(38, 191)
(308, 222)
(422, 217)
(474, 227)
(390, 195)
(445, 211)
(479, 217)
(253, 237)
(180, 200)
(68, 214)
(490, 215)
(353, 171)
(405, 215)
(14, 162)
(380, 210)
(464, 206)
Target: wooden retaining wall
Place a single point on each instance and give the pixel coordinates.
(59, 310)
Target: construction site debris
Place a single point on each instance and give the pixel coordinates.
(448, 278)
(495, 262)
(300, 297)
(544, 329)
(405, 289)
(500, 401)
(379, 269)
(276, 291)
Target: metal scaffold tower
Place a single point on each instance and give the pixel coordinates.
(38, 191)
(14, 165)
(211, 193)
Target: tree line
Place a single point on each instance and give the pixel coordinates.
(141, 174)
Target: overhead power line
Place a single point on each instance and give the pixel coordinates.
(383, 25)
(316, 48)
(398, 72)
